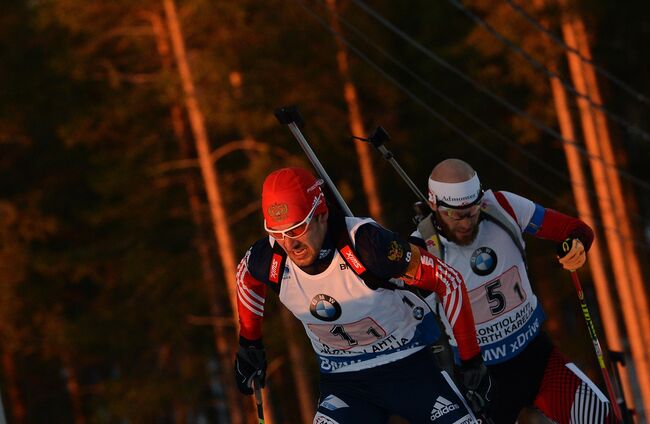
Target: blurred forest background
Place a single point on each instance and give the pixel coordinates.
(116, 268)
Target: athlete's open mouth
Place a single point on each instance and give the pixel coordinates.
(299, 252)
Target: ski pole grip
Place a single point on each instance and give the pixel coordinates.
(564, 247)
(289, 115)
(378, 137)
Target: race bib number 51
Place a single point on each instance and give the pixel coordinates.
(498, 296)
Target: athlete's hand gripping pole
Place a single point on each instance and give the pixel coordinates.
(288, 115)
(479, 388)
(563, 249)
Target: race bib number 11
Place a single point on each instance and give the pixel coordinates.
(347, 336)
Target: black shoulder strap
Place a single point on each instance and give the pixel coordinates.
(346, 248)
(276, 267)
(266, 263)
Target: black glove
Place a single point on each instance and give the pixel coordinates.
(479, 388)
(250, 363)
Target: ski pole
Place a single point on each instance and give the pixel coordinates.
(258, 401)
(378, 138)
(289, 115)
(563, 249)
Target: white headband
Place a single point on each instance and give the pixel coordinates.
(455, 194)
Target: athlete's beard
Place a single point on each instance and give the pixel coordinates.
(466, 241)
(451, 235)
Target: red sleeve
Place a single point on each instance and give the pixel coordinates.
(434, 275)
(558, 227)
(251, 295)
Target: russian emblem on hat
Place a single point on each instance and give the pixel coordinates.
(278, 211)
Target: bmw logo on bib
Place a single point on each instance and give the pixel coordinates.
(483, 261)
(325, 307)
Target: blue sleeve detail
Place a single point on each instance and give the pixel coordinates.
(536, 221)
(260, 259)
(383, 252)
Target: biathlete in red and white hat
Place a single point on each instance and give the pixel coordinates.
(370, 335)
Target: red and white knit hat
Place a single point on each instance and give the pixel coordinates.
(289, 194)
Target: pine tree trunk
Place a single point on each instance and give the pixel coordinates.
(580, 184)
(18, 411)
(596, 263)
(208, 172)
(368, 176)
(220, 227)
(72, 384)
(621, 202)
(202, 245)
(631, 300)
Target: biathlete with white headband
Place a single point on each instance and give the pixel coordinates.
(481, 237)
(370, 335)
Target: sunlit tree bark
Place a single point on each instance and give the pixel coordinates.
(202, 245)
(621, 202)
(72, 384)
(210, 176)
(220, 224)
(633, 302)
(368, 176)
(580, 184)
(18, 411)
